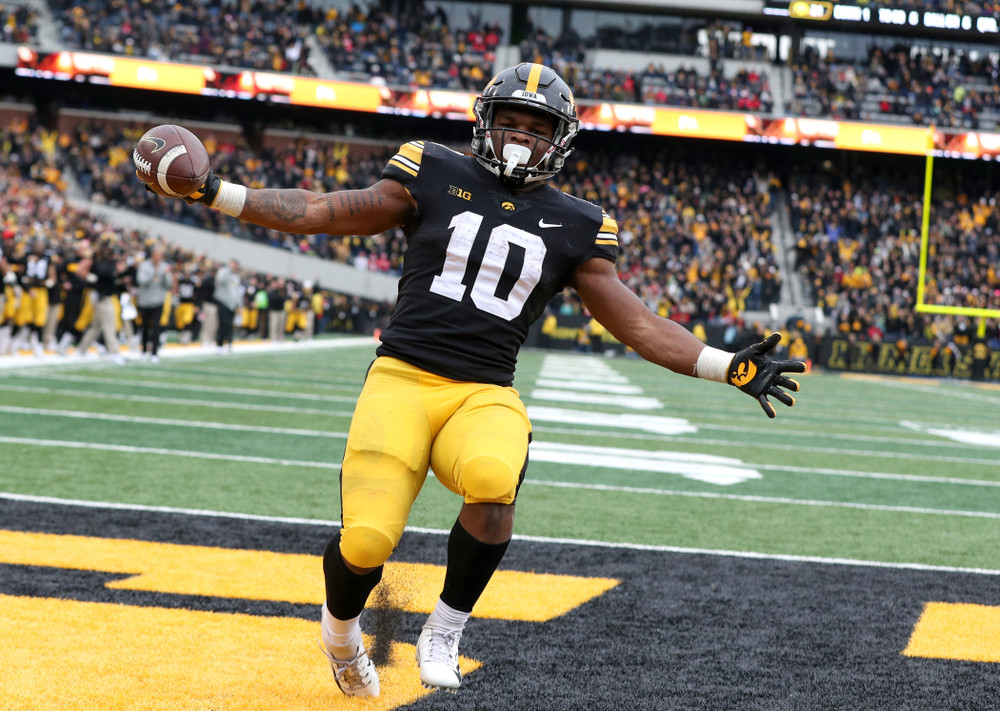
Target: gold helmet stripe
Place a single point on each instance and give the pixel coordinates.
(534, 76)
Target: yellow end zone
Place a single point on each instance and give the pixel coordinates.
(956, 631)
(263, 575)
(62, 655)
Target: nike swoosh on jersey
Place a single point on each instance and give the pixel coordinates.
(542, 223)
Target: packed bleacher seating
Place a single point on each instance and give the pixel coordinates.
(101, 152)
(257, 34)
(711, 230)
(901, 83)
(859, 247)
(19, 23)
(742, 90)
(418, 50)
(696, 243)
(40, 223)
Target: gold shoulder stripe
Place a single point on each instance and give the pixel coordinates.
(606, 241)
(609, 224)
(414, 150)
(402, 167)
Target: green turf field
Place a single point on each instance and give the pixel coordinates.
(678, 550)
(884, 470)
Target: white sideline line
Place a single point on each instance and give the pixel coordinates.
(255, 392)
(763, 499)
(84, 415)
(722, 553)
(129, 449)
(193, 350)
(96, 395)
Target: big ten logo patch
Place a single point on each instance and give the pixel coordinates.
(458, 192)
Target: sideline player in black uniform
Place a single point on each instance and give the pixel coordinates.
(489, 243)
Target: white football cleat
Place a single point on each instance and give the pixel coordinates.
(437, 657)
(356, 676)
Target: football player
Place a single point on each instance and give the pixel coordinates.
(489, 243)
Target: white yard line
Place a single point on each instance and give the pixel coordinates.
(536, 539)
(775, 446)
(202, 424)
(162, 452)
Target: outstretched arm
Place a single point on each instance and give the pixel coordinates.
(670, 345)
(658, 340)
(384, 205)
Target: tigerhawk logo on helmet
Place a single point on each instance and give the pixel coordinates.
(526, 86)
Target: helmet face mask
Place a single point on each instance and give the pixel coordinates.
(526, 87)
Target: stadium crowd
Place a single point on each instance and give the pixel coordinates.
(415, 49)
(253, 34)
(859, 247)
(70, 281)
(101, 154)
(418, 48)
(700, 241)
(19, 23)
(949, 89)
(424, 48)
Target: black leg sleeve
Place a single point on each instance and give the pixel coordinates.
(471, 564)
(346, 591)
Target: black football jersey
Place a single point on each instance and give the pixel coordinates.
(481, 263)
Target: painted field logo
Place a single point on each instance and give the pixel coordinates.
(127, 602)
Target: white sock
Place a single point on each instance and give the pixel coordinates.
(446, 617)
(341, 637)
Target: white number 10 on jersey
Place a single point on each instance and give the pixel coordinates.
(464, 228)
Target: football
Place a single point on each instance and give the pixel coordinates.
(171, 160)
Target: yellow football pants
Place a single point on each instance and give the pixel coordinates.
(474, 436)
(34, 307)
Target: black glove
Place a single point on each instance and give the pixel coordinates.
(206, 193)
(758, 375)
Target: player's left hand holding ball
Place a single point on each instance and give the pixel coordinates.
(754, 372)
(171, 161)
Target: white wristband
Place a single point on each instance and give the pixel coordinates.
(230, 199)
(713, 364)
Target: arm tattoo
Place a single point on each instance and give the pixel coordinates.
(356, 201)
(281, 204)
(330, 210)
